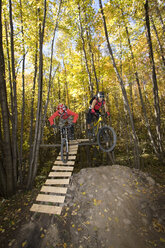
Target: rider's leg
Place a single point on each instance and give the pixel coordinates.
(97, 114)
(71, 130)
(89, 119)
(61, 123)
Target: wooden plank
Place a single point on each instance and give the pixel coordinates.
(74, 152)
(82, 140)
(56, 181)
(63, 168)
(50, 198)
(73, 141)
(53, 189)
(68, 163)
(73, 146)
(60, 174)
(46, 209)
(70, 157)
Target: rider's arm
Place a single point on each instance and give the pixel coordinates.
(73, 114)
(52, 117)
(106, 109)
(93, 104)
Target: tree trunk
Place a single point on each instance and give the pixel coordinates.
(34, 161)
(160, 17)
(140, 93)
(85, 55)
(59, 90)
(154, 79)
(32, 103)
(136, 148)
(14, 114)
(6, 160)
(88, 33)
(47, 102)
(23, 95)
(159, 43)
(50, 69)
(9, 66)
(66, 87)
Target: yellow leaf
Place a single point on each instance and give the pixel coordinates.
(96, 202)
(162, 240)
(73, 225)
(84, 193)
(64, 245)
(116, 219)
(42, 235)
(24, 243)
(79, 229)
(65, 214)
(109, 218)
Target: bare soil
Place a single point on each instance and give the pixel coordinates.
(108, 206)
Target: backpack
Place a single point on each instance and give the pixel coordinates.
(94, 97)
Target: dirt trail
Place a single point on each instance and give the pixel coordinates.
(110, 206)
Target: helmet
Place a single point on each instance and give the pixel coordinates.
(100, 94)
(61, 107)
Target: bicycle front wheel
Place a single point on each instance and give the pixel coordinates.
(64, 150)
(106, 139)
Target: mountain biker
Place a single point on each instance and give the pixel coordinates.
(95, 104)
(66, 116)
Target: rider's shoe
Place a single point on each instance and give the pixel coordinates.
(89, 133)
(71, 137)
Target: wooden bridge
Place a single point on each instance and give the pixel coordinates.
(51, 198)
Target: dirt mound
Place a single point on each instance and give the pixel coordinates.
(110, 206)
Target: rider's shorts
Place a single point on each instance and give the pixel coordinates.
(90, 117)
(69, 120)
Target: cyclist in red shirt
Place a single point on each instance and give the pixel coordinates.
(95, 104)
(65, 115)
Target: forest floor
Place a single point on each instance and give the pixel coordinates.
(106, 206)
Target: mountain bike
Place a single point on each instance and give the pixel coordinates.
(64, 133)
(103, 134)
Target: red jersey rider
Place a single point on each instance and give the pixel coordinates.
(96, 103)
(65, 115)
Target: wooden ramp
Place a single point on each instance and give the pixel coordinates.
(51, 198)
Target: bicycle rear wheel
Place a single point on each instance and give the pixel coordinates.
(106, 139)
(64, 150)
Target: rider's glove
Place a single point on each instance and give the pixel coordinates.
(107, 114)
(93, 111)
(53, 126)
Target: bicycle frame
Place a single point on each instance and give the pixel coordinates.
(96, 124)
(64, 142)
(64, 132)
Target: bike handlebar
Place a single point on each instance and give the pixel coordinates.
(59, 127)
